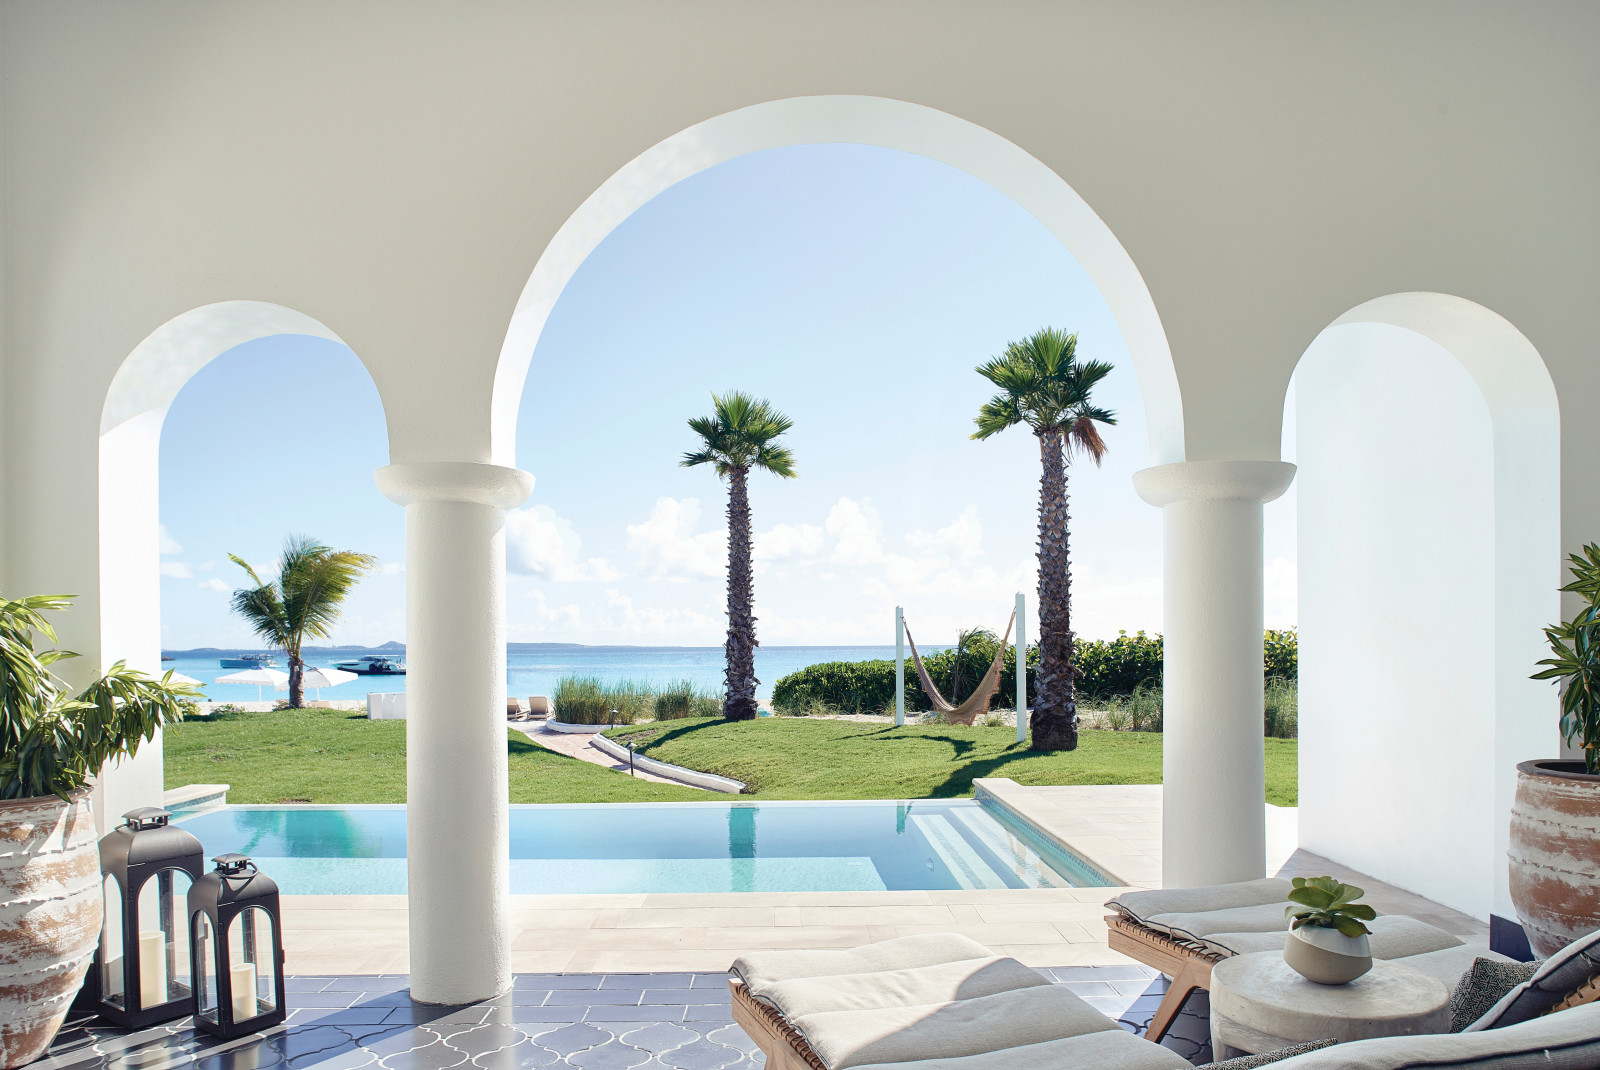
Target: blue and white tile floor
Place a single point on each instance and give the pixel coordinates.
(591, 1021)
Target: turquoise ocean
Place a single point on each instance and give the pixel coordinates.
(534, 668)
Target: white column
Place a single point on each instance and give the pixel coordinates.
(1213, 823)
(457, 836)
(1022, 668)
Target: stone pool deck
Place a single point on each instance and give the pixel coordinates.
(1117, 828)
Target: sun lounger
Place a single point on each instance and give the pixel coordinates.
(538, 706)
(943, 1002)
(1184, 932)
(513, 708)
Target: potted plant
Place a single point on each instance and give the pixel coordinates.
(1327, 931)
(51, 744)
(1555, 816)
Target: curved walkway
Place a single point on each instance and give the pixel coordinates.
(578, 746)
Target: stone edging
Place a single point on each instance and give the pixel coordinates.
(562, 726)
(692, 777)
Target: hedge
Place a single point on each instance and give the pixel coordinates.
(1106, 667)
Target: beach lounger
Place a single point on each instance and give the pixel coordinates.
(539, 707)
(1184, 932)
(944, 1002)
(513, 708)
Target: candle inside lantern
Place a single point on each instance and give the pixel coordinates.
(152, 968)
(243, 978)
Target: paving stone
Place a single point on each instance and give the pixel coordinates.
(483, 1039)
(683, 997)
(705, 1055)
(529, 1015)
(659, 1037)
(634, 1014)
(558, 980)
(617, 997)
(733, 1037)
(648, 980)
(612, 1055)
(711, 980)
(435, 1056)
(712, 1012)
(574, 1038)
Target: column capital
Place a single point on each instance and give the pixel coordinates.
(455, 481)
(1250, 481)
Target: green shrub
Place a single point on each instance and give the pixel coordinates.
(1283, 709)
(1118, 666)
(583, 700)
(1281, 654)
(682, 698)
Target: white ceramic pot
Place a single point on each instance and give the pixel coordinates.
(1327, 956)
(50, 914)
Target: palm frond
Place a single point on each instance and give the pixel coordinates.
(1045, 386)
(741, 434)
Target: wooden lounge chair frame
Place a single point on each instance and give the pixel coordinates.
(784, 1048)
(1188, 965)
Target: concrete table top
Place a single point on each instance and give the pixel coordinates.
(1259, 1004)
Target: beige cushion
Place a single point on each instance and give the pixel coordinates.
(1394, 936)
(966, 979)
(1265, 918)
(1013, 1019)
(1448, 965)
(1566, 1040)
(1105, 1050)
(760, 969)
(1142, 905)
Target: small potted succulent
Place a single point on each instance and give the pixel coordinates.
(52, 744)
(1327, 931)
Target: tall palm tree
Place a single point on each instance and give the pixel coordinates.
(303, 600)
(740, 435)
(1044, 385)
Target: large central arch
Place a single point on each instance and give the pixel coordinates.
(859, 120)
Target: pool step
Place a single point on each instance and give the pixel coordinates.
(964, 863)
(1020, 860)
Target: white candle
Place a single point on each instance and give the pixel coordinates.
(152, 968)
(243, 977)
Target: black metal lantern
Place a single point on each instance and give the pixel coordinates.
(141, 969)
(238, 949)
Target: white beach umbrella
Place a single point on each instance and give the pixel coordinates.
(317, 679)
(179, 678)
(259, 676)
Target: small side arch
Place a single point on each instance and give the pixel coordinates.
(1437, 563)
(860, 120)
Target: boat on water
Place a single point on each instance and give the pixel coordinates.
(373, 665)
(249, 661)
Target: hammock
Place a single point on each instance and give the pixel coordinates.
(982, 695)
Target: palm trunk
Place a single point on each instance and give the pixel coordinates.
(740, 679)
(1055, 709)
(297, 691)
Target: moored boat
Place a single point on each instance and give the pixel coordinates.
(249, 661)
(373, 665)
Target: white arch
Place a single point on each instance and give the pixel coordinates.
(1518, 719)
(130, 439)
(862, 120)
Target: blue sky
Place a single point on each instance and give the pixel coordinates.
(854, 287)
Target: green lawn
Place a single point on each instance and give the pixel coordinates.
(804, 758)
(335, 756)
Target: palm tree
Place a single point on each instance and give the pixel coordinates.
(739, 436)
(303, 600)
(1045, 386)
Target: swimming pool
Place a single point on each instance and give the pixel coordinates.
(668, 847)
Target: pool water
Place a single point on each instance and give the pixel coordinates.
(668, 847)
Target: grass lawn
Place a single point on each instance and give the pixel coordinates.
(804, 758)
(336, 756)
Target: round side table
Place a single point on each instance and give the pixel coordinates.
(1259, 1004)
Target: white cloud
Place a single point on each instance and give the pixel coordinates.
(169, 545)
(392, 568)
(670, 548)
(964, 536)
(788, 541)
(214, 584)
(859, 533)
(177, 570)
(541, 543)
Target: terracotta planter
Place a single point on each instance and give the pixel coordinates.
(1327, 956)
(1555, 853)
(50, 912)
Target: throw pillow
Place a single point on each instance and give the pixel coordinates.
(1267, 1058)
(1561, 974)
(1483, 986)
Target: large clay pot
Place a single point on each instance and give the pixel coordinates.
(50, 913)
(1555, 853)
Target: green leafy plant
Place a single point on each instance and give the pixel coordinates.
(1575, 660)
(1324, 903)
(52, 742)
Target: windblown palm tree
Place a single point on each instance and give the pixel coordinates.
(742, 434)
(1045, 386)
(302, 601)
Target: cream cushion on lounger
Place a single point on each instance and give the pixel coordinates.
(764, 968)
(947, 981)
(1394, 936)
(1018, 1018)
(1104, 1050)
(1263, 918)
(1142, 905)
